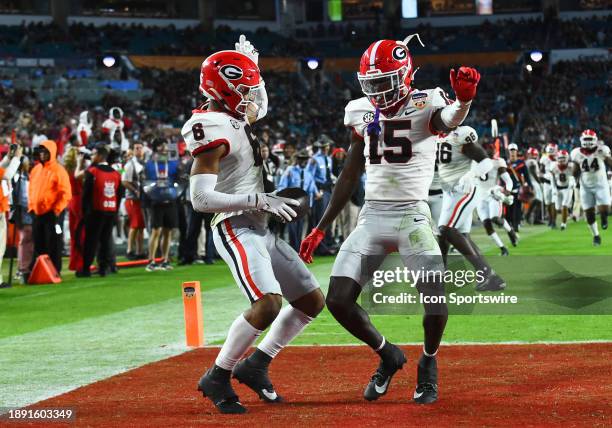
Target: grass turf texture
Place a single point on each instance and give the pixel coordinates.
(27, 309)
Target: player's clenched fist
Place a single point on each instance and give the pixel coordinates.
(310, 244)
(464, 82)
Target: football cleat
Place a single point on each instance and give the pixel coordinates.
(504, 251)
(257, 379)
(604, 222)
(389, 365)
(426, 391)
(514, 238)
(492, 283)
(563, 226)
(218, 389)
(596, 241)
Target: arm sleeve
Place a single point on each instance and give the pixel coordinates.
(507, 180)
(482, 167)
(86, 192)
(206, 199)
(454, 114)
(12, 168)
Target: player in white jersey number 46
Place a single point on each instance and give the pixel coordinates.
(392, 126)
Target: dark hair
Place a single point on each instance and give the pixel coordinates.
(102, 151)
(157, 143)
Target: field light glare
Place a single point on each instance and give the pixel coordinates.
(529, 68)
(312, 63)
(536, 56)
(108, 61)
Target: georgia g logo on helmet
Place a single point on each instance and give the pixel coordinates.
(231, 71)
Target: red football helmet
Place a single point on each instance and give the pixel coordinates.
(532, 153)
(233, 80)
(588, 139)
(563, 157)
(552, 148)
(386, 72)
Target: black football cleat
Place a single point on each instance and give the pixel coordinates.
(492, 283)
(218, 389)
(426, 391)
(604, 222)
(392, 361)
(513, 237)
(504, 251)
(596, 241)
(257, 379)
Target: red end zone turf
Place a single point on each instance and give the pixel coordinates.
(500, 385)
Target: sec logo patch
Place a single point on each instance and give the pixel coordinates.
(368, 117)
(235, 124)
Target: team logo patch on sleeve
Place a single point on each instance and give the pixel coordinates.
(368, 117)
(235, 124)
(419, 100)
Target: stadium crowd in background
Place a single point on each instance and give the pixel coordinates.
(303, 140)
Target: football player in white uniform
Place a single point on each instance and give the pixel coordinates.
(533, 167)
(392, 125)
(226, 179)
(435, 197)
(113, 126)
(546, 162)
(591, 159)
(563, 183)
(491, 207)
(84, 128)
(462, 163)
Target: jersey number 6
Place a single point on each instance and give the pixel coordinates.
(394, 137)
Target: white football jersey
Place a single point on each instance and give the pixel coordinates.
(491, 178)
(400, 164)
(532, 163)
(563, 175)
(546, 163)
(452, 163)
(240, 169)
(592, 165)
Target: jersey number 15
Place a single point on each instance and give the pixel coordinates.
(396, 146)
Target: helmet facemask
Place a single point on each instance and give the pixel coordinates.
(384, 89)
(588, 141)
(254, 100)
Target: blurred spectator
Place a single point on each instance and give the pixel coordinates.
(132, 181)
(321, 168)
(8, 168)
(299, 175)
(22, 219)
(161, 174)
(101, 197)
(75, 164)
(48, 196)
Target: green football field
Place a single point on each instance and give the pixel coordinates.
(58, 337)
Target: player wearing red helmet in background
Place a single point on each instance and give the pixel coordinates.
(546, 162)
(533, 167)
(590, 160)
(226, 179)
(563, 183)
(392, 127)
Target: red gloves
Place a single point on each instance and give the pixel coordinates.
(310, 244)
(464, 83)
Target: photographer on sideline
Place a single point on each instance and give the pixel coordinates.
(161, 174)
(100, 197)
(8, 167)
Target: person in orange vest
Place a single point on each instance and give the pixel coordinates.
(48, 196)
(101, 195)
